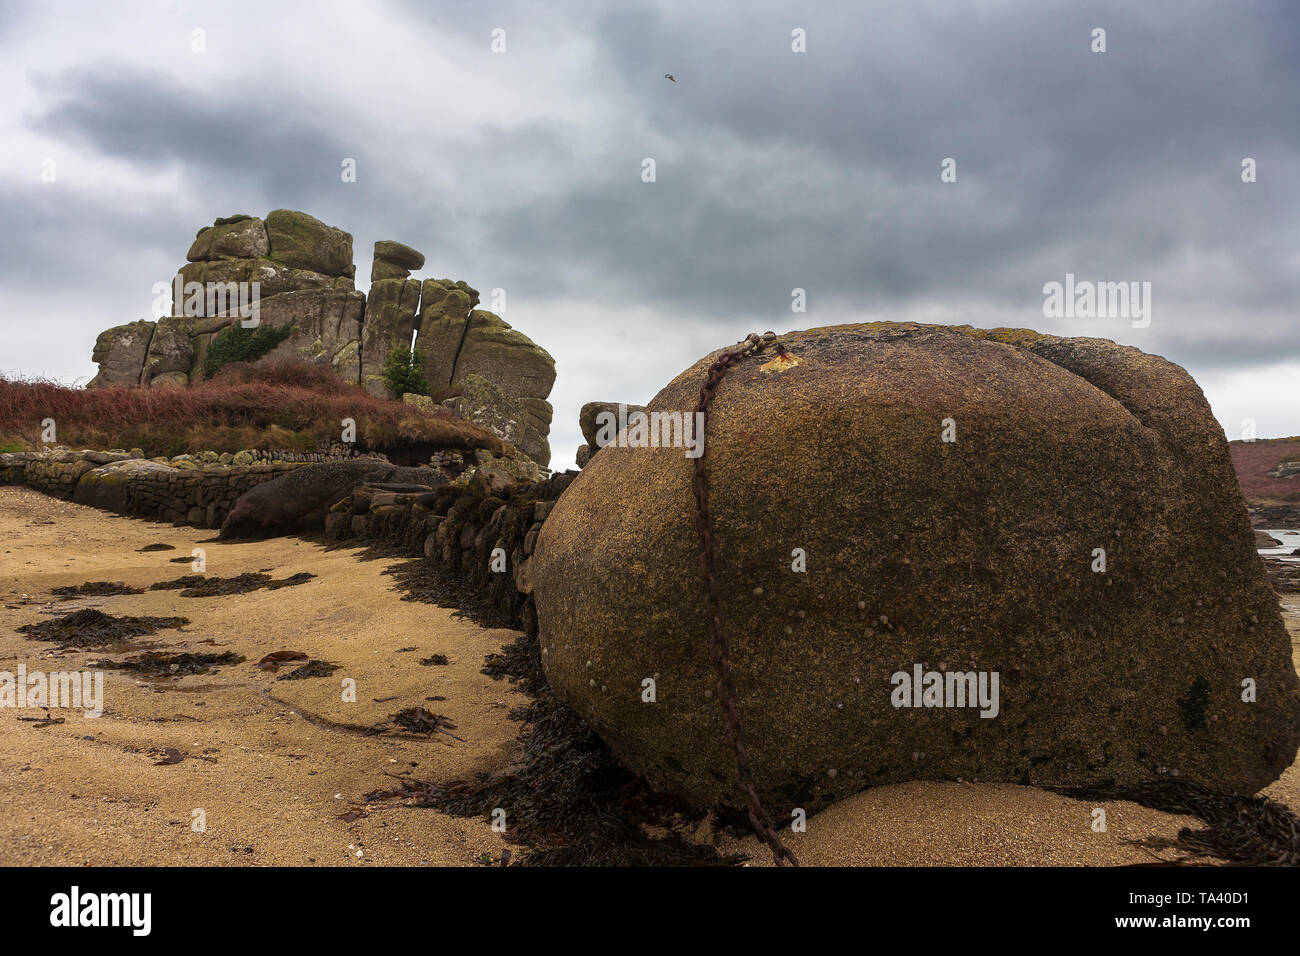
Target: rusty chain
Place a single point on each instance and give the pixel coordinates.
(718, 648)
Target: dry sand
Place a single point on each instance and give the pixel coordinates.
(285, 760)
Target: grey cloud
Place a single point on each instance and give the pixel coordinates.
(775, 170)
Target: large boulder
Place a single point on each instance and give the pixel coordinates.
(524, 424)
(393, 260)
(109, 486)
(234, 237)
(301, 241)
(120, 352)
(599, 421)
(299, 500)
(591, 422)
(516, 364)
(979, 555)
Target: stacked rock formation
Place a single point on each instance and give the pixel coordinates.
(475, 362)
(390, 311)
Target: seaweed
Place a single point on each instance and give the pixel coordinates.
(1248, 831)
(92, 628)
(312, 668)
(94, 589)
(201, 585)
(568, 799)
(158, 664)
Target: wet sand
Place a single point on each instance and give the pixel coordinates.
(285, 758)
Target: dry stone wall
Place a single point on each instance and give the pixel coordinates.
(185, 490)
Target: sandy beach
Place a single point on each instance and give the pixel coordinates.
(277, 766)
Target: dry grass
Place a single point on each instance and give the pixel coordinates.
(278, 404)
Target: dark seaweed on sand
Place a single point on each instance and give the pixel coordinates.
(568, 799)
(1251, 831)
(94, 589)
(158, 664)
(202, 585)
(312, 668)
(92, 628)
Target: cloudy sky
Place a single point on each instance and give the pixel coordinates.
(775, 169)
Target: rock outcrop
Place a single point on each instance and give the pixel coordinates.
(300, 499)
(926, 502)
(445, 306)
(120, 352)
(234, 237)
(591, 421)
(301, 241)
(390, 320)
(494, 367)
(393, 260)
(305, 281)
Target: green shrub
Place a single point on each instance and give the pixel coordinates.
(404, 372)
(240, 344)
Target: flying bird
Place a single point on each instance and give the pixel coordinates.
(669, 76)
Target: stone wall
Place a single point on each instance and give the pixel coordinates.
(458, 528)
(184, 490)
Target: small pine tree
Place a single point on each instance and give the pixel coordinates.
(404, 372)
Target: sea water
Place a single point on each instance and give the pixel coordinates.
(1290, 539)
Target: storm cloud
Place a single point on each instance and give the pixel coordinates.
(775, 170)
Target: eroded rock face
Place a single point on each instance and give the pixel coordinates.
(976, 555)
(389, 321)
(445, 306)
(120, 352)
(171, 352)
(327, 326)
(516, 364)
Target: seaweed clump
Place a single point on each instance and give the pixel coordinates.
(201, 585)
(89, 627)
(312, 668)
(1248, 831)
(94, 589)
(568, 799)
(158, 664)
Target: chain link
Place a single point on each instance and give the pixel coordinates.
(718, 648)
